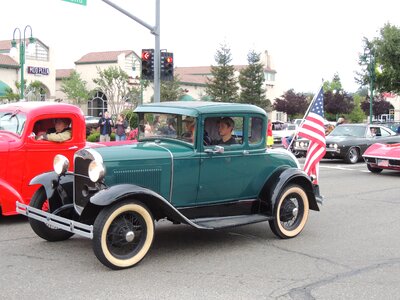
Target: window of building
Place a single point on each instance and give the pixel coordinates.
(39, 52)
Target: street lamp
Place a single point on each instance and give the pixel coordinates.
(22, 47)
(368, 53)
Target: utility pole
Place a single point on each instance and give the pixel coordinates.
(155, 30)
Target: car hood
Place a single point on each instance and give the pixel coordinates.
(5, 140)
(143, 150)
(383, 150)
(340, 139)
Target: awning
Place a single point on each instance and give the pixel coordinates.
(3, 88)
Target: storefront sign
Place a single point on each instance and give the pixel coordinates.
(38, 70)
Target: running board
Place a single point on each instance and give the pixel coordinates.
(231, 221)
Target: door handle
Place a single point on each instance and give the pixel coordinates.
(246, 152)
(73, 147)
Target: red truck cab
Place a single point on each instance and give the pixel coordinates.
(22, 156)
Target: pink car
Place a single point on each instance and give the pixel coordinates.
(382, 156)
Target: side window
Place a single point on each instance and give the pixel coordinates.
(53, 129)
(224, 130)
(255, 130)
(384, 132)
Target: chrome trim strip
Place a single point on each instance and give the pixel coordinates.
(172, 171)
(56, 221)
(381, 157)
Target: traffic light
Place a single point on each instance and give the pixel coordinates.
(167, 66)
(148, 64)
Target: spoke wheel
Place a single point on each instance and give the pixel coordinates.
(123, 234)
(352, 156)
(290, 212)
(47, 232)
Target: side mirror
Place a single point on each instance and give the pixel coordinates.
(32, 136)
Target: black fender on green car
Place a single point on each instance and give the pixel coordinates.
(283, 177)
(158, 205)
(52, 182)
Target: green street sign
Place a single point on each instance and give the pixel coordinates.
(81, 2)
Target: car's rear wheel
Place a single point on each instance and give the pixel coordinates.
(352, 156)
(123, 234)
(290, 212)
(47, 232)
(373, 170)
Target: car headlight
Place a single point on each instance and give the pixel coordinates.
(334, 146)
(96, 171)
(297, 144)
(301, 144)
(60, 164)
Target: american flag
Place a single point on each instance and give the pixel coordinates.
(313, 129)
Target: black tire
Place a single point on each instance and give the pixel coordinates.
(352, 156)
(123, 234)
(49, 233)
(374, 170)
(290, 212)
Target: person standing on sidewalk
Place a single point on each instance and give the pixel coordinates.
(120, 127)
(105, 124)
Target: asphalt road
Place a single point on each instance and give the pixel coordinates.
(348, 250)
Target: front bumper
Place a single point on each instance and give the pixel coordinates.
(55, 221)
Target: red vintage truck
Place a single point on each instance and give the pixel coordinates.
(23, 157)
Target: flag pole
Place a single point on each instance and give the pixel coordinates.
(305, 115)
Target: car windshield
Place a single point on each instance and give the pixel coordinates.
(169, 126)
(343, 130)
(12, 121)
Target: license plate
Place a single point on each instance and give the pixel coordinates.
(383, 163)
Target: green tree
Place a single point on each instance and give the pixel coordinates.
(170, 90)
(380, 61)
(293, 104)
(75, 88)
(114, 83)
(387, 58)
(334, 85)
(10, 95)
(223, 86)
(252, 80)
(357, 115)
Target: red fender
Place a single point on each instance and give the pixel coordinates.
(8, 197)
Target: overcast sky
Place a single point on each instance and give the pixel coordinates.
(308, 40)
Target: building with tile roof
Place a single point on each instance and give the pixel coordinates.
(38, 67)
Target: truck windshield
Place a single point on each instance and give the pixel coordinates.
(12, 121)
(170, 126)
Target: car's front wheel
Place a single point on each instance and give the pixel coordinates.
(290, 212)
(39, 200)
(373, 170)
(352, 156)
(123, 234)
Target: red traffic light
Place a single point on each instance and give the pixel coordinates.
(169, 59)
(146, 55)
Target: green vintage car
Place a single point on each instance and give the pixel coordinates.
(203, 164)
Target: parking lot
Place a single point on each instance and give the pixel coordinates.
(348, 250)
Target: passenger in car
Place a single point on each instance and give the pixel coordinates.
(225, 127)
(190, 125)
(60, 133)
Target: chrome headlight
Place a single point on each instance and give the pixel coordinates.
(334, 146)
(302, 144)
(96, 171)
(60, 164)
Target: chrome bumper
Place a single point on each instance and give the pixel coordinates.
(56, 221)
